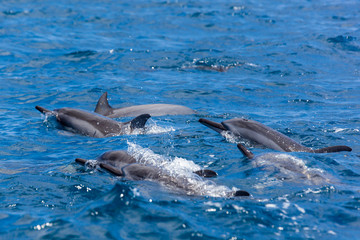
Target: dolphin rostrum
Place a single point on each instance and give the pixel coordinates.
(257, 132)
(103, 107)
(92, 124)
(121, 163)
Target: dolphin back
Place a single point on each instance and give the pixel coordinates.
(116, 156)
(103, 107)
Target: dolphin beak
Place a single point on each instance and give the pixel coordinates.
(218, 127)
(81, 161)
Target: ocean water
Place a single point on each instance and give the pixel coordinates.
(291, 65)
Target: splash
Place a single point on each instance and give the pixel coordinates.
(151, 128)
(181, 170)
(229, 136)
(291, 168)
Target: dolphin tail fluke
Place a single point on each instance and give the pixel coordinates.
(206, 173)
(103, 107)
(245, 151)
(42, 110)
(112, 169)
(139, 121)
(218, 127)
(333, 149)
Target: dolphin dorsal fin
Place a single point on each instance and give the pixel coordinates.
(333, 149)
(139, 121)
(103, 107)
(241, 193)
(206, 173)
(245, 151)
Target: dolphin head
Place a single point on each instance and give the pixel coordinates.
(238, 125)
(261, 134)
(235, 125)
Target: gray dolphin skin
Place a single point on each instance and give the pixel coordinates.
(120, 163)
(257, 132)
(92, 124)
(286, 167)
(103, 107)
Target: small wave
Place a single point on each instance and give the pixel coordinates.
(341, 39)
(13, 13)
(343, 130)
(299, 100)
(345, 43)
(252, 65)
(10, 171)
(80, 54)
(210, 64)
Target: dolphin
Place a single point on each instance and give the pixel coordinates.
(257, 132)
(286, 167)
(121, 163)
(92, 124)
(103, 107)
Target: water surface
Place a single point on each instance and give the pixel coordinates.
(291, 65)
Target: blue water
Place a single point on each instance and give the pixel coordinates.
(292, 65)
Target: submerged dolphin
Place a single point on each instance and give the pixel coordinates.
(92, 124)
(257, 132)
(103, 107)
(120, 163)
(287, 167)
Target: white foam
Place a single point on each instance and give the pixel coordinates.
(336, 130)
(91, 163)
(150, 128)
(180, 169)
(346, 130)
(229, 136)
(252, 64)
(286, 205)
(270, 205)
(300, 209)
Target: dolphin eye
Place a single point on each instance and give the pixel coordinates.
(244, 119)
